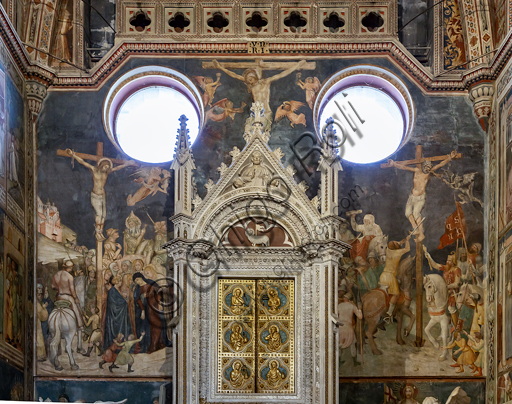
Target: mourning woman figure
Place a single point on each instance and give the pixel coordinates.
(117, 318)
(107, 285)
(141, 315)
(147, 300)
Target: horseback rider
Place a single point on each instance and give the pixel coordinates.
(366, 277)
(367, 231)
(63, 282)
(452, 276)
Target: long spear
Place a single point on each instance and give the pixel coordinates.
(464, 239)
(145, 209)
(361, 338)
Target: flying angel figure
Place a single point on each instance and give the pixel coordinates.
(208, 86)
(223, 109)
(287, 109)
(464, 184)
(312, 86)
(151, 180)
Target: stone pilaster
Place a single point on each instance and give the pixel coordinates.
(35, 92)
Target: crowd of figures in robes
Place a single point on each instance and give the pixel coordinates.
(130, 319)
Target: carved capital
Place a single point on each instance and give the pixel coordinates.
(481, 95)
(36, 93)
(324, 250)
(189, 250)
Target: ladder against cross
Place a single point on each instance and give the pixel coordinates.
(419, 245)
(99, 243)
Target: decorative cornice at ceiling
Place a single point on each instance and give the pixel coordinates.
(13, 43)
(392, 49)
(315, 50)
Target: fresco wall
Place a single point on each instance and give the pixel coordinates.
(503, 278)
(505, 142)
(11, 387)
(135, 222)
(491, 234)
(412, 392)
(13, 267)
(499, 20)
(504, 306)
(137, 392)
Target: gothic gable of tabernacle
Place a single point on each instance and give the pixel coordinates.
(256, 181)
(258, 278)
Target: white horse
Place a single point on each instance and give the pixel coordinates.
(437, 301)
(465, 295)
(379, 245)
(62, 324)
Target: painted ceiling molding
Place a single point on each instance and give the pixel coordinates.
(18, 52)
(391, 48)
(50, 28)
(39, 24)
(50, 24)
(477, 28)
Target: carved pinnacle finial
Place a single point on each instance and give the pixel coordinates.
(183, 121)
(329, 130)
(183, 138)
(258, 112)
(257, 125)
(330, 138)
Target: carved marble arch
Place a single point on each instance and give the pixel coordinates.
(256, 231)
(257, 208)
(286, 204)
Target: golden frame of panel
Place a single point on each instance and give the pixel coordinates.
(236, 336)
(275, 329)
(256, 336)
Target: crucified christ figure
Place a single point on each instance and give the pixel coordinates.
(257, 85)
(416, 200)
(100, 173)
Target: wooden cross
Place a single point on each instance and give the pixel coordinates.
(99, 243)
(94, 157)
(420, 159)
(260, 64)
(419, 246)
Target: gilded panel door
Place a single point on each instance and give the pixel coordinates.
(236, 347)
(275, 330)
(256, 336)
